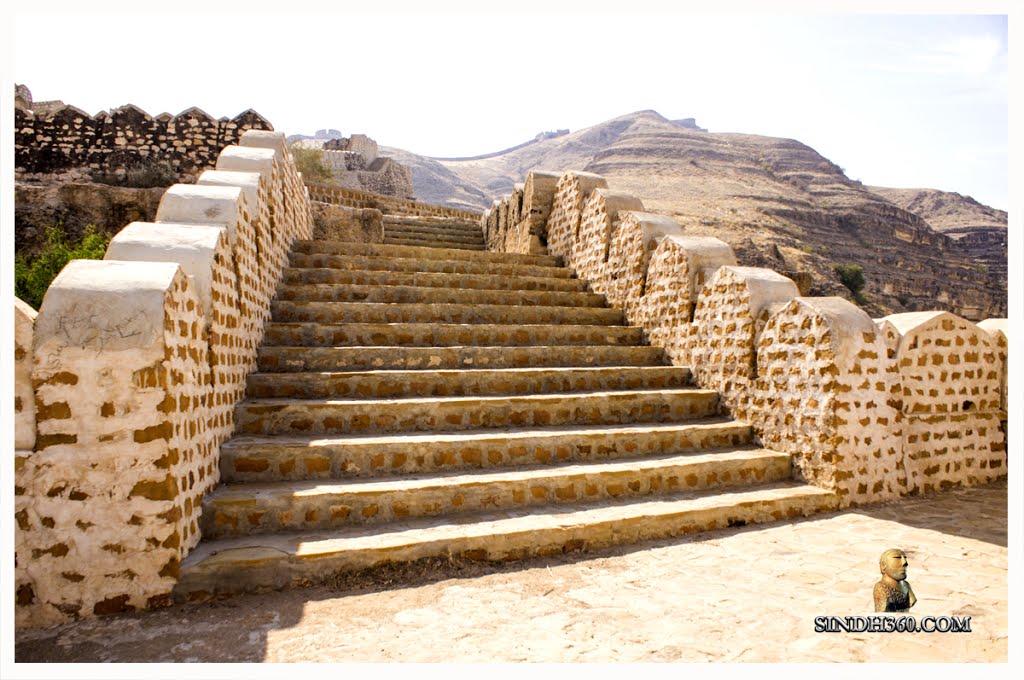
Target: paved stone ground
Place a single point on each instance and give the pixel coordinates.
(747, 594)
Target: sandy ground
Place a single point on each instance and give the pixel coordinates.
(748, 594)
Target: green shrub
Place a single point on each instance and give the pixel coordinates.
(310, 162)
(32, 277)
(852, 276)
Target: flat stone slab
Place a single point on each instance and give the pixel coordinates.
(628, 604)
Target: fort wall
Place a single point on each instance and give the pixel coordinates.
(61, 139)
(133, 366)
(872, 410)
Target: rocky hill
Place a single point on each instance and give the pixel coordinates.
(979, 229)
(779, 203)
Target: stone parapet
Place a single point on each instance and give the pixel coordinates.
(136, 363)
(950, 377)
(873, 410)
(827, 393)
(24, 395)
(50, 140)
(122, 457)
(724, 336)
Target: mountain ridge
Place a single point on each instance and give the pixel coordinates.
(776, 201)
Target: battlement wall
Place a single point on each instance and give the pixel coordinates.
(61, 138)
(870, 409)
(126, 382)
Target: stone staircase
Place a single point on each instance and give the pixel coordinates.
(420, 398)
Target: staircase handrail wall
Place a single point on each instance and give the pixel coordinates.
(871, 409)
(133, 366)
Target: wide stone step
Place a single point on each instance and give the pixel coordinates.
(383, 312)
(291, 359)
(423, 221)
(420, 231)
(439, 414)
(462, 383)
(261, 458)
(441, 231)
(240, 509)
(445, 334)
(270, 561)
(432, 243)
(295, 275)
(384, 263)
(329, 292)
(420, 253)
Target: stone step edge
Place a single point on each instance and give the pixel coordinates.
(271, 561)
(432, 243)
(437, 239)
(560, 396)
(453, 280)
(398, 228)
(452, 372)
(442, 234)
(410, 252)
(399, 326)
(389, 287)
(480, 434)
(474, 267)
(243, 492)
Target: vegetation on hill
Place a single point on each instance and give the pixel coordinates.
(33, 276)
(310, 162)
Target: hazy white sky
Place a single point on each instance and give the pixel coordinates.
(896, 100)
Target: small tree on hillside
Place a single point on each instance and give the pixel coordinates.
(310, 162)
(852, 276)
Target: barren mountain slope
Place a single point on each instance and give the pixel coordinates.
(434, 183)
(945, 211)
(779, 203)
(979, 229)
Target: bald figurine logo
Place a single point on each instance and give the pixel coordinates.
(893, 592)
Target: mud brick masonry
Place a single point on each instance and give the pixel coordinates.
(231, 401)
(53, 137)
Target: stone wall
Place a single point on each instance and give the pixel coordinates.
(950, 376)
(58, 140)
(871, 410)
(355, 198)
(137, 362)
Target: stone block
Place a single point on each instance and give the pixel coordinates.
(723, 337)
(265, 139)
(589, 252)
(567, 209)
(340, 223)
(999, 329)
(629, 254)
(227, 206)
(122, 455)
(676, 273)
(828, 394)
(539, 193)
(951, 397)
(195, 247)
(24, 396)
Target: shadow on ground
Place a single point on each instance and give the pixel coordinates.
(237, 629)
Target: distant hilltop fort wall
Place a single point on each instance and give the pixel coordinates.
(55, 138)
(356, 165)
